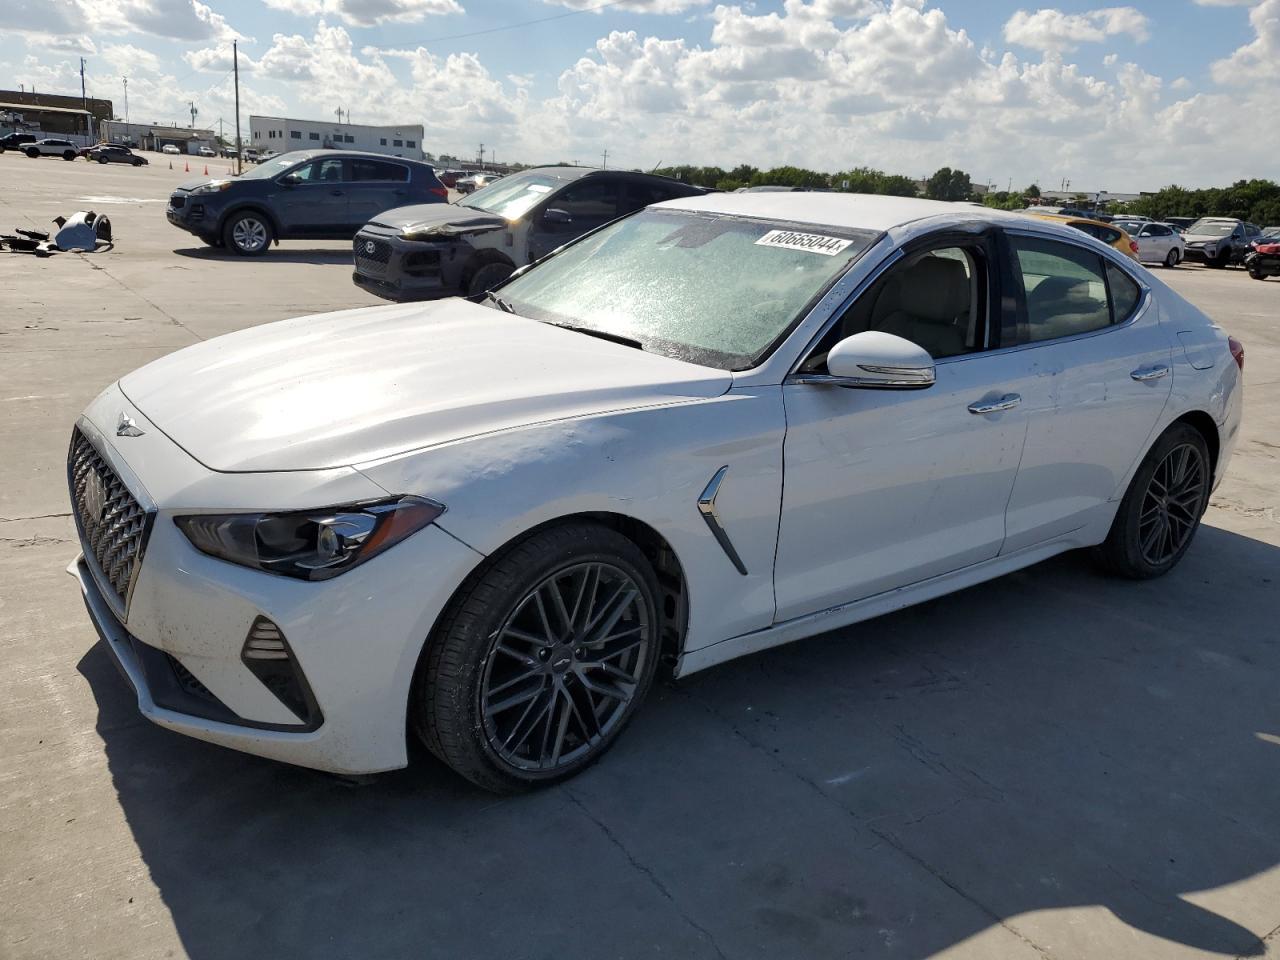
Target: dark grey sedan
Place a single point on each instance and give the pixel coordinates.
(307, 194)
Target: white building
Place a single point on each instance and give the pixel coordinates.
(282, 134)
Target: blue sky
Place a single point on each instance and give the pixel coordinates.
(1002, 89)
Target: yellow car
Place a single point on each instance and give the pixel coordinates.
(1105, 232)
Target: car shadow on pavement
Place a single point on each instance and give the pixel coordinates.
(977, 765)
(274, 255)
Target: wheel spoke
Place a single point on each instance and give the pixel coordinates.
(586, 592)
(593, 731)
(532, 723)
(513, 682)
(627, 594)
(609, 670)
(551, 635)
(604, 689)
(515, 699)
(561, 730)
(524, 636)
(562, 613)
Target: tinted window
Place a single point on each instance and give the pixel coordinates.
(1066, 293)
(591, 201)
(637, 194)
(377, 170)
(315, 136)
(1125, 293)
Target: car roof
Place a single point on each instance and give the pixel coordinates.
(362, 154)
(848, 211)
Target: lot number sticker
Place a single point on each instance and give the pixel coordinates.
(811, 242)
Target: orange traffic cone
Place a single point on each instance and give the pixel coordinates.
(186, 168)
(206, 169)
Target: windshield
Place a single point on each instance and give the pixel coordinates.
(273, 167)
(707, 288)
(1212, 228)
(511, 197)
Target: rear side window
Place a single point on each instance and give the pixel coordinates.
(1125, 293)
(1065, 288)
(377, 170)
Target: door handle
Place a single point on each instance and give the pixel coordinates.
(1007, 402)
(1142, 374)
(335, 193)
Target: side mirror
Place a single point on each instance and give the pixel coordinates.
(875, 360)
(556, 215)
(290, 180)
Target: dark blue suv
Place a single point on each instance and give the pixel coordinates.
(308, 194)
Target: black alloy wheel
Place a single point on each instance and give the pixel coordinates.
(564, 667)
(541, 658)
(1161, 510)
(1172, 505)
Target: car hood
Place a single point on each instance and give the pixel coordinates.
(1203, 237)
(352, 387)
(446, 219)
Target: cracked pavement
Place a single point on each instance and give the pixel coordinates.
(1051, 765)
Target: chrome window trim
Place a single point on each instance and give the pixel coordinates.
(97, 440)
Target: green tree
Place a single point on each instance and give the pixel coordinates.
(948, 184)
(1032, 192)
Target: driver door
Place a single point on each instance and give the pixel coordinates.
(884, 488)
(317, 204)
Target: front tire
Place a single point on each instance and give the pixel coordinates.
(1221, 260)
(487, 276)
(248, 234)
(68, 154)
(33, 153)
(541, 659)
(1161, 510)
(1173, 259)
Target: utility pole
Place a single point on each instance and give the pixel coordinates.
(194, 111)
(84, 103)
(480, 162)
(126, 106)
(604, 160)
(235, 65)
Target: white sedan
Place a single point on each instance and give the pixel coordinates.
(1157, 242)
(718, 425)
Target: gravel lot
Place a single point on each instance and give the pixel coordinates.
(1050, 765)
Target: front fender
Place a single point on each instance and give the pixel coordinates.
(650, 464)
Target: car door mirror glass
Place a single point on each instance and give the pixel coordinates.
(557, 216)
(290, 180)
(876, 360)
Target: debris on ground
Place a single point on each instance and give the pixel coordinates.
(83, 231)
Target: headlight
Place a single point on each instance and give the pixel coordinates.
(309, 544)
(213, 186)
(425, 233)
(1211, 248)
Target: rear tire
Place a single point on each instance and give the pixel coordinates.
(248, 234)
(102, 158)
(1161, 510)
(541, 659)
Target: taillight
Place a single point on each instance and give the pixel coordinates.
(440, 191)
(1133, 245)
(1237, 352)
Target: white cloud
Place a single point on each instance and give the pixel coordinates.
(1050, 29)
(368, 13)
(125, 58)
(1259, 57)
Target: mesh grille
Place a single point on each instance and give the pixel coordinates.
(111, 522)
(371, 262)
(176, 201)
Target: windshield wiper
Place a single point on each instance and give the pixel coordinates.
(502, 304)
(602, 334)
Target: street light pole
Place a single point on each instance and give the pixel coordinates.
(235, 65)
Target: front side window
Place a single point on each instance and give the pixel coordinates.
(711, 289)
(935, 298)
(328, 170)
(590, 202)
(1065, 288)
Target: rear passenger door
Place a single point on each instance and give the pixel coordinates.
(1102, 375)
(375, 186)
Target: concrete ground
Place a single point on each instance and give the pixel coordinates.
(1050, 765)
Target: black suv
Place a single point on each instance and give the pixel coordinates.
(307, 194)
(15, 141)
(416, 253)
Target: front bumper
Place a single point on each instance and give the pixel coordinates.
(397, 269)
(355, 640)
(193, 214)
